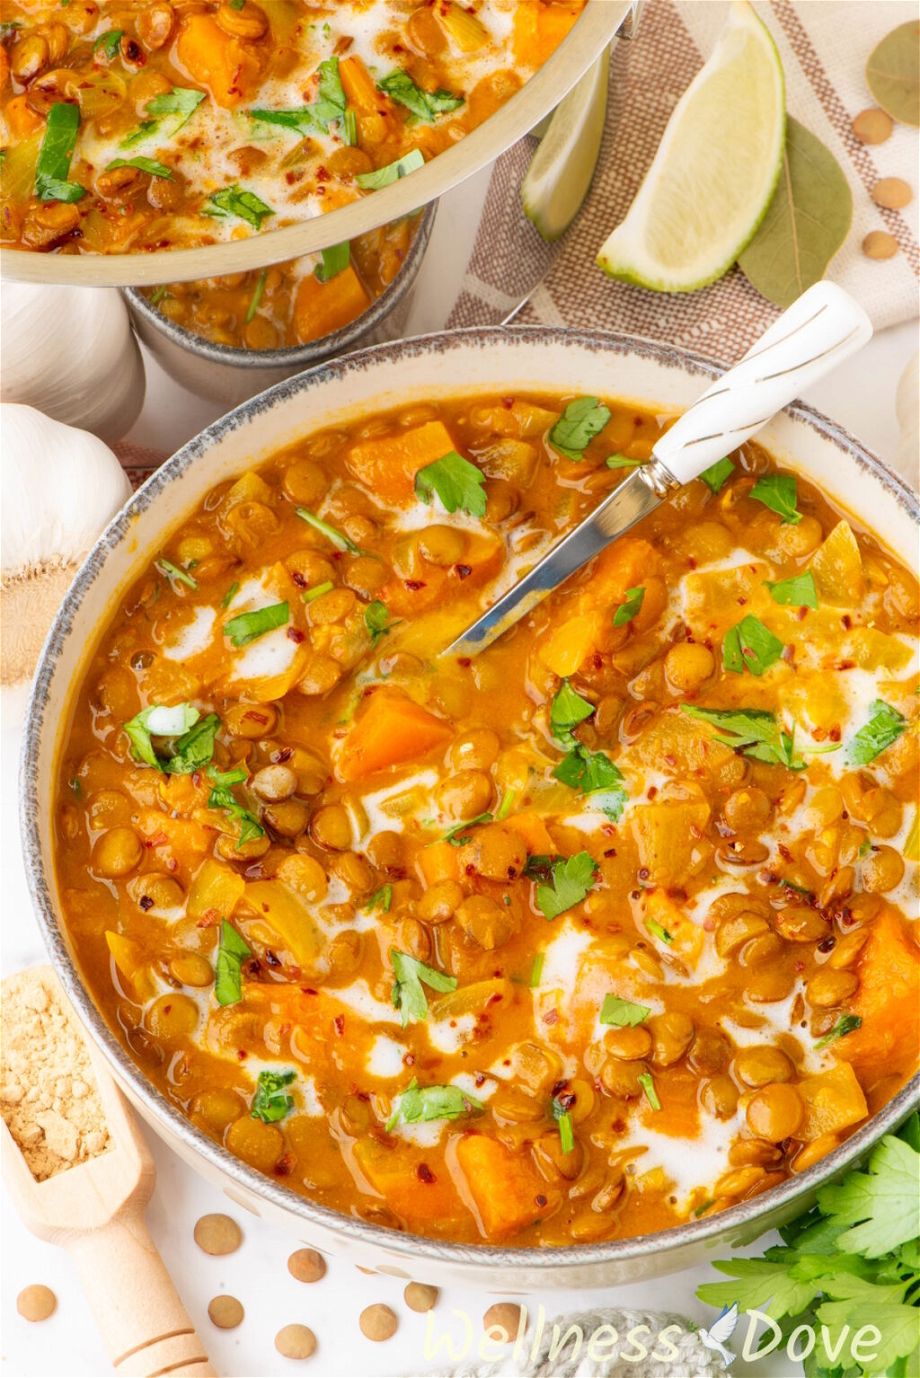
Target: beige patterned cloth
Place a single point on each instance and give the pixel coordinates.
(824, 46)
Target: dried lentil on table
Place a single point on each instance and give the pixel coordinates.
(218, 1234)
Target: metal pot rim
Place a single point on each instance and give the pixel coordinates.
(736, 1221)
(301, 356)
(596, 27)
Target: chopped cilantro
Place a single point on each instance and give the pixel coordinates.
(648, 1086)
(623, 1013)
(419, 1104)
(221, 797)
(884, 727)
(232, 951)
(779, 492)
(270, 1103)
(238, 201)
(255, 301)
(335, 260)
(659, 931)
(567, 710)
(381, 899)
(797, 592)
(581, 421)
(249, 626)
(229, 596)
(571, 881)
(718, 474)
(632, 602)
(317, 591)
(749, 645)
(149, 165)
(377, 620)
(460, 834)
(846, 1024)
(53, 166)
(174, 723)
(425, 105)
(408, 995)
(334, 537)
(385, 176)
(623, 462)
(594, 774)
(753, 731)
(171, 110)
(108, 43)
(457, 482)
(174, 574)
(562, 1116)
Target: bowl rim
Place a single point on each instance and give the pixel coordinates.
(736, 1220)
(312, 351)
(595, 28)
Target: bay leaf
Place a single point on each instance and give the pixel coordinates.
(805, 224)
(893, 73)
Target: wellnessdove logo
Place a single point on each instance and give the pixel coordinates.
(721, 1330)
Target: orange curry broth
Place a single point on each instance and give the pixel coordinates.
(738, 909)
(165, 91)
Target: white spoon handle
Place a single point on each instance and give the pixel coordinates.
(821, 329)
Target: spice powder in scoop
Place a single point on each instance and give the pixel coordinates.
(48, 1093)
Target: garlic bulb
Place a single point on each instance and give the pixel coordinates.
(60, 487)
(70, 352)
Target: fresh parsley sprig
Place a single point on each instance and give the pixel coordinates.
(408, 993)
(457, 482)
(581, 421)
(572, 879)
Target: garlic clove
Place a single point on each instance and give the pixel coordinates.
(60, 487)
(70, 352)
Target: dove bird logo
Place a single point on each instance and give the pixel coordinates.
(721, 1330)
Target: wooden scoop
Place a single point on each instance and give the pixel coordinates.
(96, 1211)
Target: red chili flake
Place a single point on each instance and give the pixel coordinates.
(255, 715)
(789, 653)
(847, 620)
(741, 602)
(611, 851)
(254, 872)
(463, 571)
(465, 661)
(424, 1174)
(479, 1079)
(540, 1200)
(285, 754)
(652, 791)
(835, 733)
(133, 52)
(339, 1022)
(309, 990)
(507, 402)
(802, 614)
(298, 578)
(272, 959)
(242, 1054)
(846, 664)
(414, 584)
(784, 852)
(551, 1017)
(285, 1165)
(643, 873)
(296, 635)
(827, 944)
(322, 174)
(146, 902)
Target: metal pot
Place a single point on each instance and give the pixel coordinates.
(446, 365)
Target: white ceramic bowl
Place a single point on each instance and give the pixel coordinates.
(470, 362)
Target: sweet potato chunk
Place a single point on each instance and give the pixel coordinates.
(833, 1100)
(887, 1001)
(666, 833)
(387, 465)
(391, 730)
(227, 67)
(322, 307)
(429, 1200)
(504, 1189)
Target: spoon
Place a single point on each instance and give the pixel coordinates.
(821, 329)
(96, 1211)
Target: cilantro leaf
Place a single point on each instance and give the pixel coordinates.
(764, 1284)
(594, 774)
(883, 728)
(631, 604)
(408, 995)
(317, 591)
(270, 1104)
(718, 474)
(231, 953)
(221, 797)
(377, 620)
(623, 1013)
(419, 1104)
(157, 721)
(779, 492)
(381, 899)
(195, 748)
(385, 176)
(797, 592)
(647, 1083)
(171, 110)
(175, 574)
(255, 301)
(249, 626)
(581, 421)
(238, 201)
(108, 42)
(846, 1024)
(623, 462)
(559, 1108)
(749, 645)
(149, 165)
(459, 834)
(855, 1300)
(303, 120)
(53, 166)
(876, 1210)
(753, 731)
(457, 482)
(331, 102)
(425, 105)
(571, 881)
(335, 260)
(334, 537)
(567, 710)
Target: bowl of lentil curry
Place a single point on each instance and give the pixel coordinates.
(231, 135)
(560, 964)
(228, 338)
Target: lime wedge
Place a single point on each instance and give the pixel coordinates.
(561, 170)
(715, 171)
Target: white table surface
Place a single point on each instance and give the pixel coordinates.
(861, 397)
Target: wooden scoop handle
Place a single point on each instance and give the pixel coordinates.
(146, 1329)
